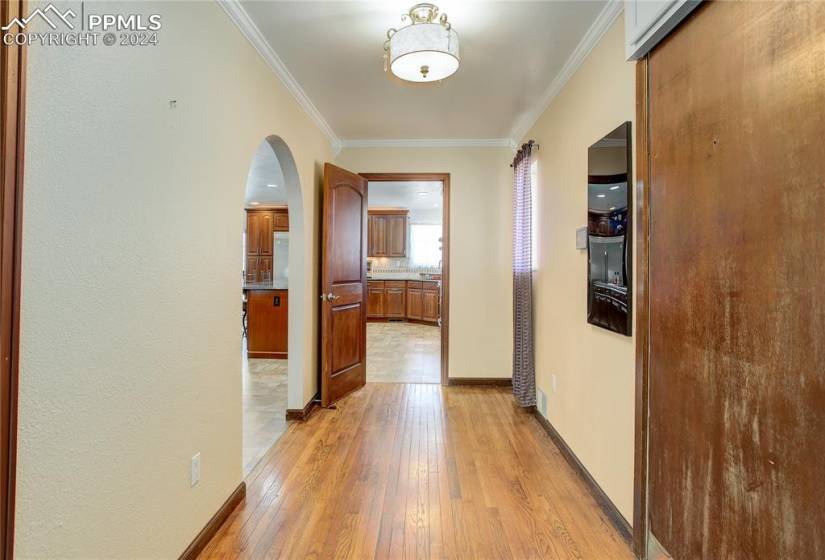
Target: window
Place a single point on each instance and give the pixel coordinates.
(425, 245)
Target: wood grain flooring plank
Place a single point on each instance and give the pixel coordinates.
(417, 471)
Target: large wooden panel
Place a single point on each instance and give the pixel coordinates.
(376, 299)
(343, 284)
(396, 299)
(12, 132)
(397, 235)
(259, 228)
(737, 305)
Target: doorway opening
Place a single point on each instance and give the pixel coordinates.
(272, 278)
(407, 277)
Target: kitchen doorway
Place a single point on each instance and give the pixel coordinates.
(408, 277)
(272, 248)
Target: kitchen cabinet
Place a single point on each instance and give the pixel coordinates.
(267, 315)
(429, 302)
(387, 233)
(260, 227)
(411, 300)
(396, 299)
(376, 298)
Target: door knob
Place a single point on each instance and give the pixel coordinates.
(329, 297)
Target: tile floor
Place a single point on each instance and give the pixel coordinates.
(403, 353)
(264, 407)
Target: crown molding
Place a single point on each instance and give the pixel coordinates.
(594, 34)
(429, 143)
(241, 19)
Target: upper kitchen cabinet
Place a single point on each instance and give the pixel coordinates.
(646, 22)
(259, 224)
(387, 235)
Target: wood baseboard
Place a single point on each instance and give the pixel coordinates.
(607, 505)
(302, 413)
(497, 381)
(206, 534)
(267, 355)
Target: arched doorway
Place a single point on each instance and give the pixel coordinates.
(273, 269)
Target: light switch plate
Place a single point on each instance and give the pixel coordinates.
(581, 238)
(195, 470)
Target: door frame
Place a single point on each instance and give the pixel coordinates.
(13, 111)
(642, 299)
(445, 252)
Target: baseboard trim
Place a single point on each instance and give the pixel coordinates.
(607, 505)
(496, 381)
(302, 414)
(268, 355)
(212, 526)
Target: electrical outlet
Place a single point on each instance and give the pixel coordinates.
(553, 380)
(195, 469)
(542, 402)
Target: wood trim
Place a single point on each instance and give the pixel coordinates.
(489, 381)
(268, 355)
(212, 526)
(302, 414)
(607, 505)
(388, 211)
(13, 110)
(642, 307)
(445, 254)
(607, 179)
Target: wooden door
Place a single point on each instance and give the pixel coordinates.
(396, 235)
(12, 117)
(344, 284)
(396, 298)
(736, 263)
(375, 300)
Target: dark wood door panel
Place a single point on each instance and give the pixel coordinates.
(344, 284)
(737, 308)
(346, 233)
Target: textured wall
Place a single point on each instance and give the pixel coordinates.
(481, 286)
(594, 401)
(130, 347)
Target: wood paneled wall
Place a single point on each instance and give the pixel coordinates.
(737, 261)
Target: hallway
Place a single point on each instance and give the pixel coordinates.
(402, 470)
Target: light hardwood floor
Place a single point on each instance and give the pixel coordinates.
(417, 471)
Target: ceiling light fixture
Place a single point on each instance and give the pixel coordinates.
(271, 186)
(253, 203)
(424, 51)
(422, 193)
(614, 187)
(601, 195)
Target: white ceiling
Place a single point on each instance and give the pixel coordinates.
(514, 58)
(264, 171)
(413, 195)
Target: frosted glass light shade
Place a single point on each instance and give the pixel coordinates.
(424, 52)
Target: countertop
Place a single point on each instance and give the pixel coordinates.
(399, 276)
(276, 285)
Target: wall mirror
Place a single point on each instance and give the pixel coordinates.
(609, 247)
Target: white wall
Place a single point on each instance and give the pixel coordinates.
(481, 287)
(130, 343)
(593, 406)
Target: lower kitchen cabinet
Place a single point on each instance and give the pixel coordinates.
(429, 306)
(395, 299)
(266, 317)
(376, 299)
(412, 300)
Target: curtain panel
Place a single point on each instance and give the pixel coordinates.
(524, 372)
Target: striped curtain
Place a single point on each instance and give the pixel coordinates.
(524, 371)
